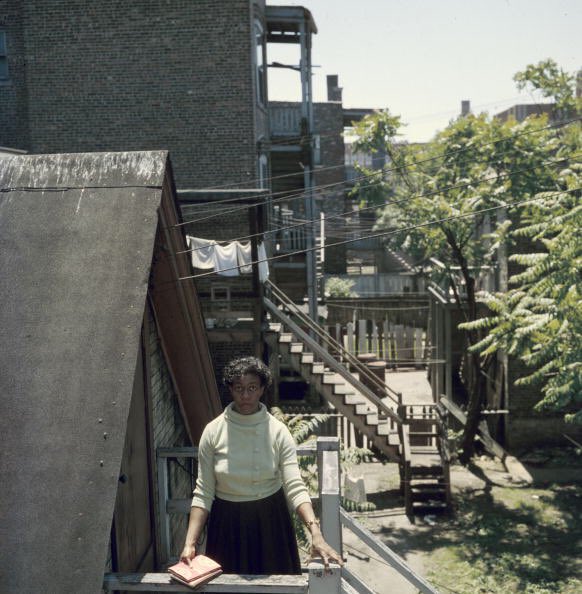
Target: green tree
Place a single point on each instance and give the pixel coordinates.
(539, 319)
(468, 183)
(339, 287)
(303, 429)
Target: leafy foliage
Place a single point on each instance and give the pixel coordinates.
(539, 319)
(552, 82)
(303, 431)
(339, 287)
(479, 164)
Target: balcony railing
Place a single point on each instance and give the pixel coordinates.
(285, 120)
(316, 581)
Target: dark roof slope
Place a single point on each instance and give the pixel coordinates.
(76, 240)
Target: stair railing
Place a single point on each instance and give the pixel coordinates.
(329, 359)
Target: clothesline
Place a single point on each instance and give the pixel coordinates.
(232, 259)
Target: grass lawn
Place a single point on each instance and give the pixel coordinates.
(505, 539)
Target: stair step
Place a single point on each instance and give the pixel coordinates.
(364, 408)
(331, 378)
(385, 429)
(307, 358)
(296, 347)
(285, 337)
(430, 505)
(434, 493)
(342, 389)
(354, 398)
(317, 368)
(425, 471)
(425, 450)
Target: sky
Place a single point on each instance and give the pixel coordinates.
(420, 58)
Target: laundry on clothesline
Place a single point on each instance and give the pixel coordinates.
(231, 259)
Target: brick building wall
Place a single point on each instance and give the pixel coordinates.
(13, 96)
(112, 75)
(328, 124)
(231, 305)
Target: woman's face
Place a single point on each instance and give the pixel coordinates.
(246, 391)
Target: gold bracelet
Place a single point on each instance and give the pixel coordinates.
(310, 523)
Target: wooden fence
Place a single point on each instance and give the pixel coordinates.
(396, 344)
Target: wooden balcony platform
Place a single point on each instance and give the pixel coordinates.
(162, 582)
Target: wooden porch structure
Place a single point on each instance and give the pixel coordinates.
(315, 580)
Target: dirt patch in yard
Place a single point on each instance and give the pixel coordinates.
(500, 538)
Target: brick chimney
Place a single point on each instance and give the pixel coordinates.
(465, 107)
(334, 93)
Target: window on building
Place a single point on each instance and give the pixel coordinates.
(3, 56)
(261, 73)
(263, 171)
(220, 297)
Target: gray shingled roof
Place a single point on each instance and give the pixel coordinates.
(76, 239)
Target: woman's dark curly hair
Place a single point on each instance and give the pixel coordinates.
(239, 367)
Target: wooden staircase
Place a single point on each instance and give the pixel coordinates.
(412, 435)
(381, 430)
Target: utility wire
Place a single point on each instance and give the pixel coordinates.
(303, 193)
(391, 232)
(347, 214)
(323, 134)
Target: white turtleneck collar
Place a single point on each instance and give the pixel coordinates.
(255, 419)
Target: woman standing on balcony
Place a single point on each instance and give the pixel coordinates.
(248, 478)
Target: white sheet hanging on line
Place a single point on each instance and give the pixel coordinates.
(226, 259)
(244, 257)
(263, 263)
(202, 253)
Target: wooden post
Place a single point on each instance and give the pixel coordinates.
(363, 336)
(324, 582)
(418, 347)
(350, 338)
(375, 341)
(329, 490)
(162, 503)
(386, 337)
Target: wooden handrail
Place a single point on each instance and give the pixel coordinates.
(162, 582)
(332, 362)
(387, 555)
(396, 397)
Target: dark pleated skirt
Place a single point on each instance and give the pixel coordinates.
(253, 537)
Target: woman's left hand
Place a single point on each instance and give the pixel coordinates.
(320, 548)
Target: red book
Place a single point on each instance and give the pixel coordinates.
(200, 570)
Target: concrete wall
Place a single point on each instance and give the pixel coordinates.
(114, 75)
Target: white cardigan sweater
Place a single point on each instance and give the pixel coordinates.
(247, 457)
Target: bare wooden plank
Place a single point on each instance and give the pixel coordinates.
(322, 581)
(418, 345)
(363, 336)
(375, 339)
(162, 582)
(389, 556)
(329, 490)
(517, 470)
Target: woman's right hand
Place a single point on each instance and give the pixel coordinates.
(188, 553)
